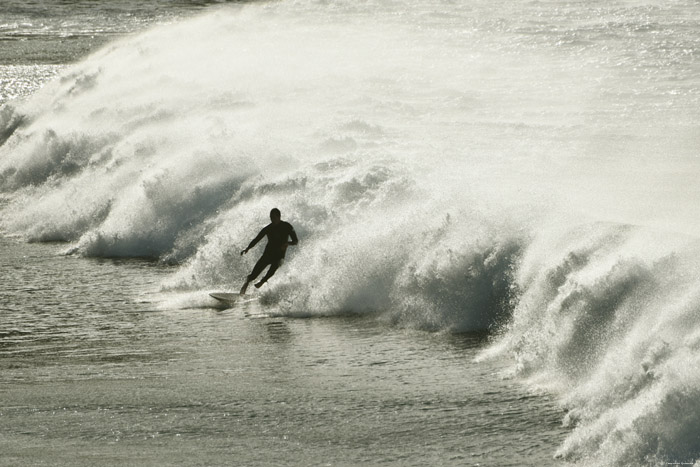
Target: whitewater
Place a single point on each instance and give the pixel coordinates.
(522, 169)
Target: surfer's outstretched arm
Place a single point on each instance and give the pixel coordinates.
(254, 241)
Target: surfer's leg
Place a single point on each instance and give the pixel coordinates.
(270, 272)
(257, 269)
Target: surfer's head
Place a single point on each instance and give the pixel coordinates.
(275, 216)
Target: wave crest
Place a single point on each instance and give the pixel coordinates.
(608, 322)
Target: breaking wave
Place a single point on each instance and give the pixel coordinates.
(608, 319)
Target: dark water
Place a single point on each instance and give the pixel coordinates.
(38, 38)
(58, 31)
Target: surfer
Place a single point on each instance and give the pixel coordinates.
(278, 233)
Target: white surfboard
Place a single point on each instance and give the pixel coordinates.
(229, 299)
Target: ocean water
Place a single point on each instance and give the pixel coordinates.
(498, 224)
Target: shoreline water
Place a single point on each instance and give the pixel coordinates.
(93, 373)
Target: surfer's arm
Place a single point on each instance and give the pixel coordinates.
(255, 241)
(293, 234)
(294, 241)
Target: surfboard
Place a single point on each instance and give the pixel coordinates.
(230, 299)
(226, 298)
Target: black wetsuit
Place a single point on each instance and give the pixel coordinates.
(277, 236)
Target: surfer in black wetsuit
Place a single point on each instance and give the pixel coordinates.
(278, 233)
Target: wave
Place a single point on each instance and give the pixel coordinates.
(151, 148)
(607, 319)
(429, 185)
